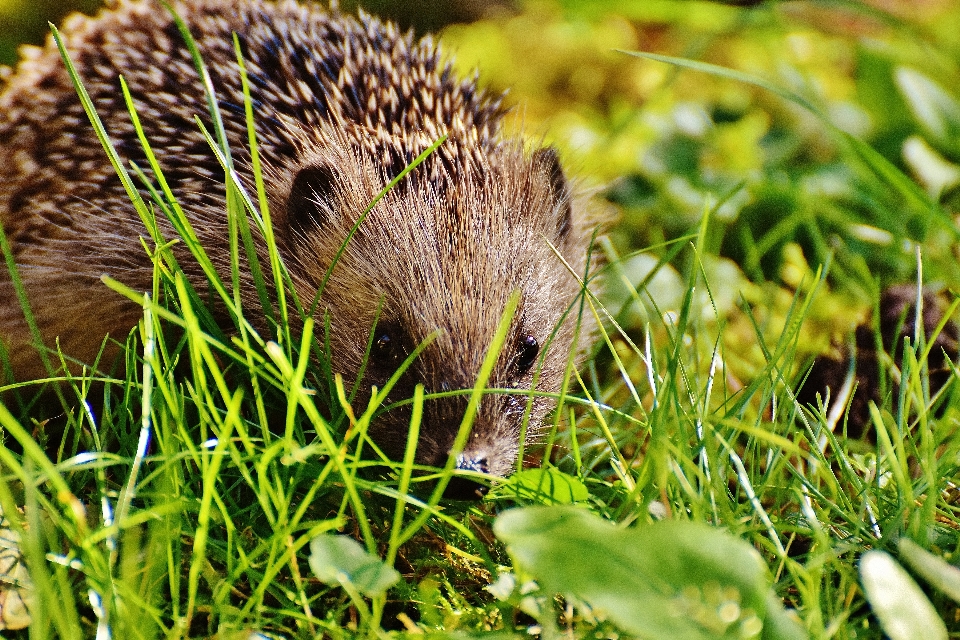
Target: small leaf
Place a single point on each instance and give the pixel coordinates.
(669, 580)
(341, 560)
(939, 573)
(16, 588)
(904, 611)
(546, 485)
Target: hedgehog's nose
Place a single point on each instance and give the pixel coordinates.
(466, 462)
(461, 488)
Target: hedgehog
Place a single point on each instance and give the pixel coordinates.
(343, 105)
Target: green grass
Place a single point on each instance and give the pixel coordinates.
(198, 493)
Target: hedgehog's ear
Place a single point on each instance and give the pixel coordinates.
(312, 186)
(548, 162)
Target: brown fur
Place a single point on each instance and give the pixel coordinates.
(342, 105)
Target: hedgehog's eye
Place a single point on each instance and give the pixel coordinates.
(527, 353)
(384, 349)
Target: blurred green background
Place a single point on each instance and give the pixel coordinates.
(25, 21)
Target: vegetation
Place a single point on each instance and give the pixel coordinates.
(775, 167)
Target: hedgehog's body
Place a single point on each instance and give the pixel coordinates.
(341, 105)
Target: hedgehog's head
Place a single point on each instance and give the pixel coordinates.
(437, 259)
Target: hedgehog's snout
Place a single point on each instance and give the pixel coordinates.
(463, 488)
(472, 462)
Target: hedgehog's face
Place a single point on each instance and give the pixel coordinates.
(437, 261)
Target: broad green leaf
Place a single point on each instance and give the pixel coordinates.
(936, 111)
(670, 580)
(337, 559)
(939, 573)
(546, 485)
(904, 611)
